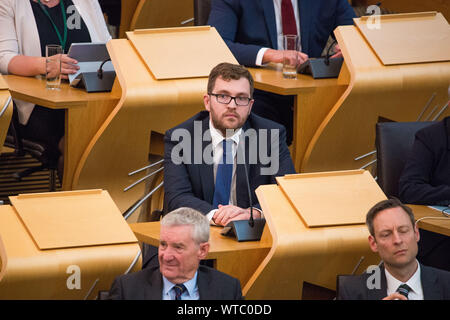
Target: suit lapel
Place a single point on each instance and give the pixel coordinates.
(430, 284)
(269, 15)
(305, 23)
(154, 290)
(206, 171)
(204, 287)
(379, 294)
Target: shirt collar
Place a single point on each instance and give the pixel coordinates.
(217, 137)
(190, 285)
(414, 282)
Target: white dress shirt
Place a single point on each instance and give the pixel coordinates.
(414, 283)
(277, 8)
(216, 140)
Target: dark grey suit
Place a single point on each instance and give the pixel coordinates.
(435, 285)
(147, 284)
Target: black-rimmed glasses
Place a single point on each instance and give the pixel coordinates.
(226, 99)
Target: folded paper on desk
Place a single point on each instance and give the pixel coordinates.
(90, 57)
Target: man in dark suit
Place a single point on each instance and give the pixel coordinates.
(183, 243)
(206, 157)
(426, 180)
(394, 236)
(253, 31)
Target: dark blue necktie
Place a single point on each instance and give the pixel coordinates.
(179, 289)
(404, 290)
(224, 175)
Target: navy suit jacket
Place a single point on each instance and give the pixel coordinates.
(435, 285)
(191, 184)
(147, 284)
(249, 25)
(426, 176)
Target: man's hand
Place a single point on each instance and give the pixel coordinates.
(395, 296)
(228, 213)
(337, 52)
(272, 55)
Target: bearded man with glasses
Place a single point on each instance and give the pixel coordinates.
(207, 157)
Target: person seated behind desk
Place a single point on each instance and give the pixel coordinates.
(26, 27)
(200, 175)
(204, 157)
(253, 30)
(426, 180)
(394, 236)
(183, 243)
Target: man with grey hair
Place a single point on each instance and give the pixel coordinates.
(183, 243)
(394, 236)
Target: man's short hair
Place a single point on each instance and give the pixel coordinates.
(383, 205)
(228, 71)
(188, 216)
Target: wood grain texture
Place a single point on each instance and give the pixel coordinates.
(122, 143)
(29, 273)
(396, 92)
(84, 114)
(441, 225)
(299, 253)
(5, 118)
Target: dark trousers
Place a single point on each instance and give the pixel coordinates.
(45, 126)
(277, 108)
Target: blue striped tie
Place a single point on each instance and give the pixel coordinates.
(224, 175)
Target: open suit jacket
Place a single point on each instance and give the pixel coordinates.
(435, 285)
(192, 185)
(147, 284)
(248, 25)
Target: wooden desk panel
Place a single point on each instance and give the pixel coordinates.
(441, 225)
(313, 101)
(85, 113)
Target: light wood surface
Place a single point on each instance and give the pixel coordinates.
(162, 14)
(405, 6)
(399, 93)
(161, 48)
(229, 255)
(441, 225)
(26, 272)
(128, 9)
(85, 112)
(355, 190)
(72, 219)
(408, 38)
(313, 100)
(123, 142)
(300, 254)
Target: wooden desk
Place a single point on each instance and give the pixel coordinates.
(238, 259)
(85, 113)
(313, 101)
(441, 226)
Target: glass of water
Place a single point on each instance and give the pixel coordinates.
(290, 56)
(53, 54)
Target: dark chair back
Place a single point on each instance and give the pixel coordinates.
(201, 12)
(393, 142)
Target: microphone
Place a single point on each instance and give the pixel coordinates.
(245, 230)
(100, 70)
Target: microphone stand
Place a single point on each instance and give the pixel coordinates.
(246, 230)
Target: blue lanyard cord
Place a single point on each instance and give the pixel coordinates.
(63, 10)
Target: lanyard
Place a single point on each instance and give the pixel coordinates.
(63, 10)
